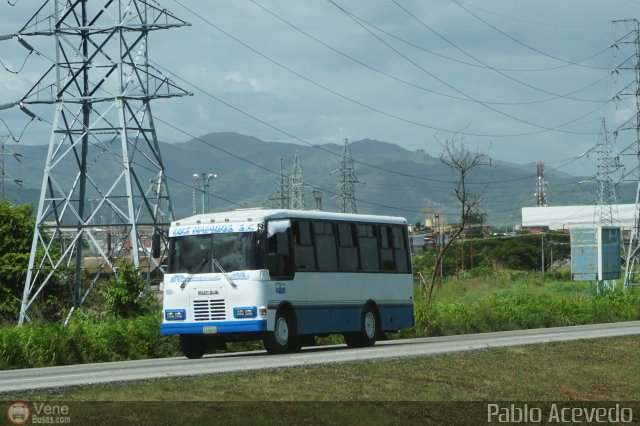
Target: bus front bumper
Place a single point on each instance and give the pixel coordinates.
(213, 327)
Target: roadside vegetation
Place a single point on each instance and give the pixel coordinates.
(497, 285)
(577, 370)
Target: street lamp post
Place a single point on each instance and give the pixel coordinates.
(204, 179)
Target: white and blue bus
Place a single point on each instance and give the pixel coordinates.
(285, 277)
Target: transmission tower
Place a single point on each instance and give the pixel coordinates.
(541, 186)
(348, 181)
(317, 196)
(279, 198)
(606, 199)
(296, 200)
(4, 151)
(631, 65)
(103, 147)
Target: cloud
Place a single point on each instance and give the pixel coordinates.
(531, 65)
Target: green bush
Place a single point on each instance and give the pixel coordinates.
(85, 339)
(125, 294)
(499, 312)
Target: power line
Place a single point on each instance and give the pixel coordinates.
(510, 37)
(394, 116)
(417, 86)
(541, 127)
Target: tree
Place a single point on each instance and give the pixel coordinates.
(124, 295)
(462, 162)
(16, 231)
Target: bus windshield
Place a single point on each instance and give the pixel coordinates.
(194, 254)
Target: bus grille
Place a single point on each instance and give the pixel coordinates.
(209, 309)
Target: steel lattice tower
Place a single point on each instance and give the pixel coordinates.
(631, 65)
(348, 181)
(606, 199)
(541, 186)
(4, 151)
(279, 198)
(103, 149)
(296, 198)
(317, 196)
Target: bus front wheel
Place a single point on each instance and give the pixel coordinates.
(283, 339)
(192, 345)
(369, 328)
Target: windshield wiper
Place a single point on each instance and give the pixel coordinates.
(224, 272)
(190, 276)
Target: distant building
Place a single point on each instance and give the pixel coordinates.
(562, 217)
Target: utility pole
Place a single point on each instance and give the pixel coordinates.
(205, 180)
(102, 88)
(297, 185)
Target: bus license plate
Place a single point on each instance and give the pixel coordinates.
(209, 329)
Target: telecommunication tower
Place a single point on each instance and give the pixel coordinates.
(297, 185)
(541, 186)
(631, 65)
(103, 147)
(348, 181)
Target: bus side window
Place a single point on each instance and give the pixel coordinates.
(386, 251)
(326, 246)
(347, 247)
(400, 249)
(303, 249)
(368, 245)
(280, 261)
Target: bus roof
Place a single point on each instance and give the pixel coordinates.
(260, 215)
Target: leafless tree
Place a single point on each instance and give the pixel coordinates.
(461, 161)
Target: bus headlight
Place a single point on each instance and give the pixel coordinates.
(245, 312)
(175, 314)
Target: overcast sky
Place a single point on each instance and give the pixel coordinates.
(525, 81)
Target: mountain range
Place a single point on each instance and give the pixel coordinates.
(392, 180)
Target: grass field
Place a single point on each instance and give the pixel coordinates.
(382, 392)
(603, 369)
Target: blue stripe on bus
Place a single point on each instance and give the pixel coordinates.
(222, 326)
(317, 320)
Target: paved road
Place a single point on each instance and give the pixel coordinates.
(40, 378)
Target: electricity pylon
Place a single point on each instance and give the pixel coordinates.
(348, 181)
(631, 65)
(608, 164)
(103, 148)
(279, 199)
(4, 151)
(296, 197)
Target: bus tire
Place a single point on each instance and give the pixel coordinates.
(192, 345)
(283, 339)
(369, 329)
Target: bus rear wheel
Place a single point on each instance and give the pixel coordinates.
(369, 329)
(283, 339)
(192, 345)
